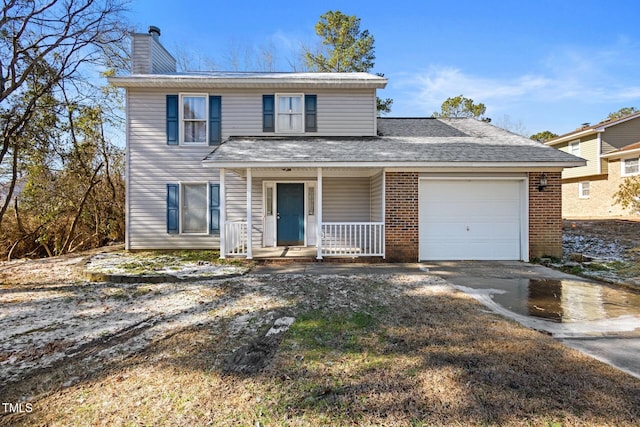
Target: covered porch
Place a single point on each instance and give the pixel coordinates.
(290, 212)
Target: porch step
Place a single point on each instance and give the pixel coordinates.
(336, 260)
(284, 260)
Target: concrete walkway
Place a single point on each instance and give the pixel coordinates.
(338, 268)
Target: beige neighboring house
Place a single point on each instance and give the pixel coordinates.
(611, 149)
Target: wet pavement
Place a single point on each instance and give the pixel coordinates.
(561, 301)
(595, 318)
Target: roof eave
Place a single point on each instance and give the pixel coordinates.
(524, 166)
(620, 154)
(189, 82)
(572, 136)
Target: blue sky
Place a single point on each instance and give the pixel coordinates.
(536, 65)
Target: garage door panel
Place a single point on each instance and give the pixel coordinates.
(476, 219)
(476, 249)
(446, 230)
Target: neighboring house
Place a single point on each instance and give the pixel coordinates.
(611, 149)
(243, 161)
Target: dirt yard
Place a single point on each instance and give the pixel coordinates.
(366, 349)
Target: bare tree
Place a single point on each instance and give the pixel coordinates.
(188, 60)
(46, 42)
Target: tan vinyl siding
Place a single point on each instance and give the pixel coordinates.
(346, 114)
(153, 164)
(622, 134)
(237, 203)
(141, 54)
(339, 113)
(346, 200)
(377, 213)
(589, 152)
(607, 148)
(161, 60)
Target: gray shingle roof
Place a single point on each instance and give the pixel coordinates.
(404, 141)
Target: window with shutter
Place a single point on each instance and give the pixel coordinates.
(268, 113)
(173, 208)
(172, 128)
(214, 208)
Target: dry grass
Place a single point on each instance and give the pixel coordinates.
(364, 350)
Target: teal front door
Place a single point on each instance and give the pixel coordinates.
(290, 218)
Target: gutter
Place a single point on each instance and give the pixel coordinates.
(205, 82)
(620, 154)
(524, 166)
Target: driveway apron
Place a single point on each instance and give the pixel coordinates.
(597, 319)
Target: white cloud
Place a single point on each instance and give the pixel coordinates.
(578, 80)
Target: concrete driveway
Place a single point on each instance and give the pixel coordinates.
(596, 319)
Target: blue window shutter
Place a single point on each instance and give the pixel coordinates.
(310, 116)
(173, 208)
(172, 120)
(214, 208)
(268, 113)
(215, 120)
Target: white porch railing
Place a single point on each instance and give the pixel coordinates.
(352, 239)
(235, 234)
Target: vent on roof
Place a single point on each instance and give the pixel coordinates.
(584, 125)
(154, 31)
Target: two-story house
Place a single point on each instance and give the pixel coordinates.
(611, 149)
(244, 161)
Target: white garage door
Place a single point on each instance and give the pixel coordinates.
(470, 219)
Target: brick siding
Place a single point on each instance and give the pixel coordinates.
(401, 216)
(545, 216)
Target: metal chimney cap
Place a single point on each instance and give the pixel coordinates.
(154, 31)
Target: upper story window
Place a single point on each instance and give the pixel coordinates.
(193, 119)
(289, 113)
(574, 148)
(630, 167)
(193, 114)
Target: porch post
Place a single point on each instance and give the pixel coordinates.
(384, 213)
(223, 214)
(249, 225)
(319, 214)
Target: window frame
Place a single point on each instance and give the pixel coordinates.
(206, 185)
(581, 189)
(623, 166)
(278, 113)
(182, 120)
(576, 144)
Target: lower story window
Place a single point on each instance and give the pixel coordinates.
(584, 190)
(194, 208)
(630, 167)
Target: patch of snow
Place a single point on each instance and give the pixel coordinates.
(593, 247)
(125, 265)
(281, 325)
